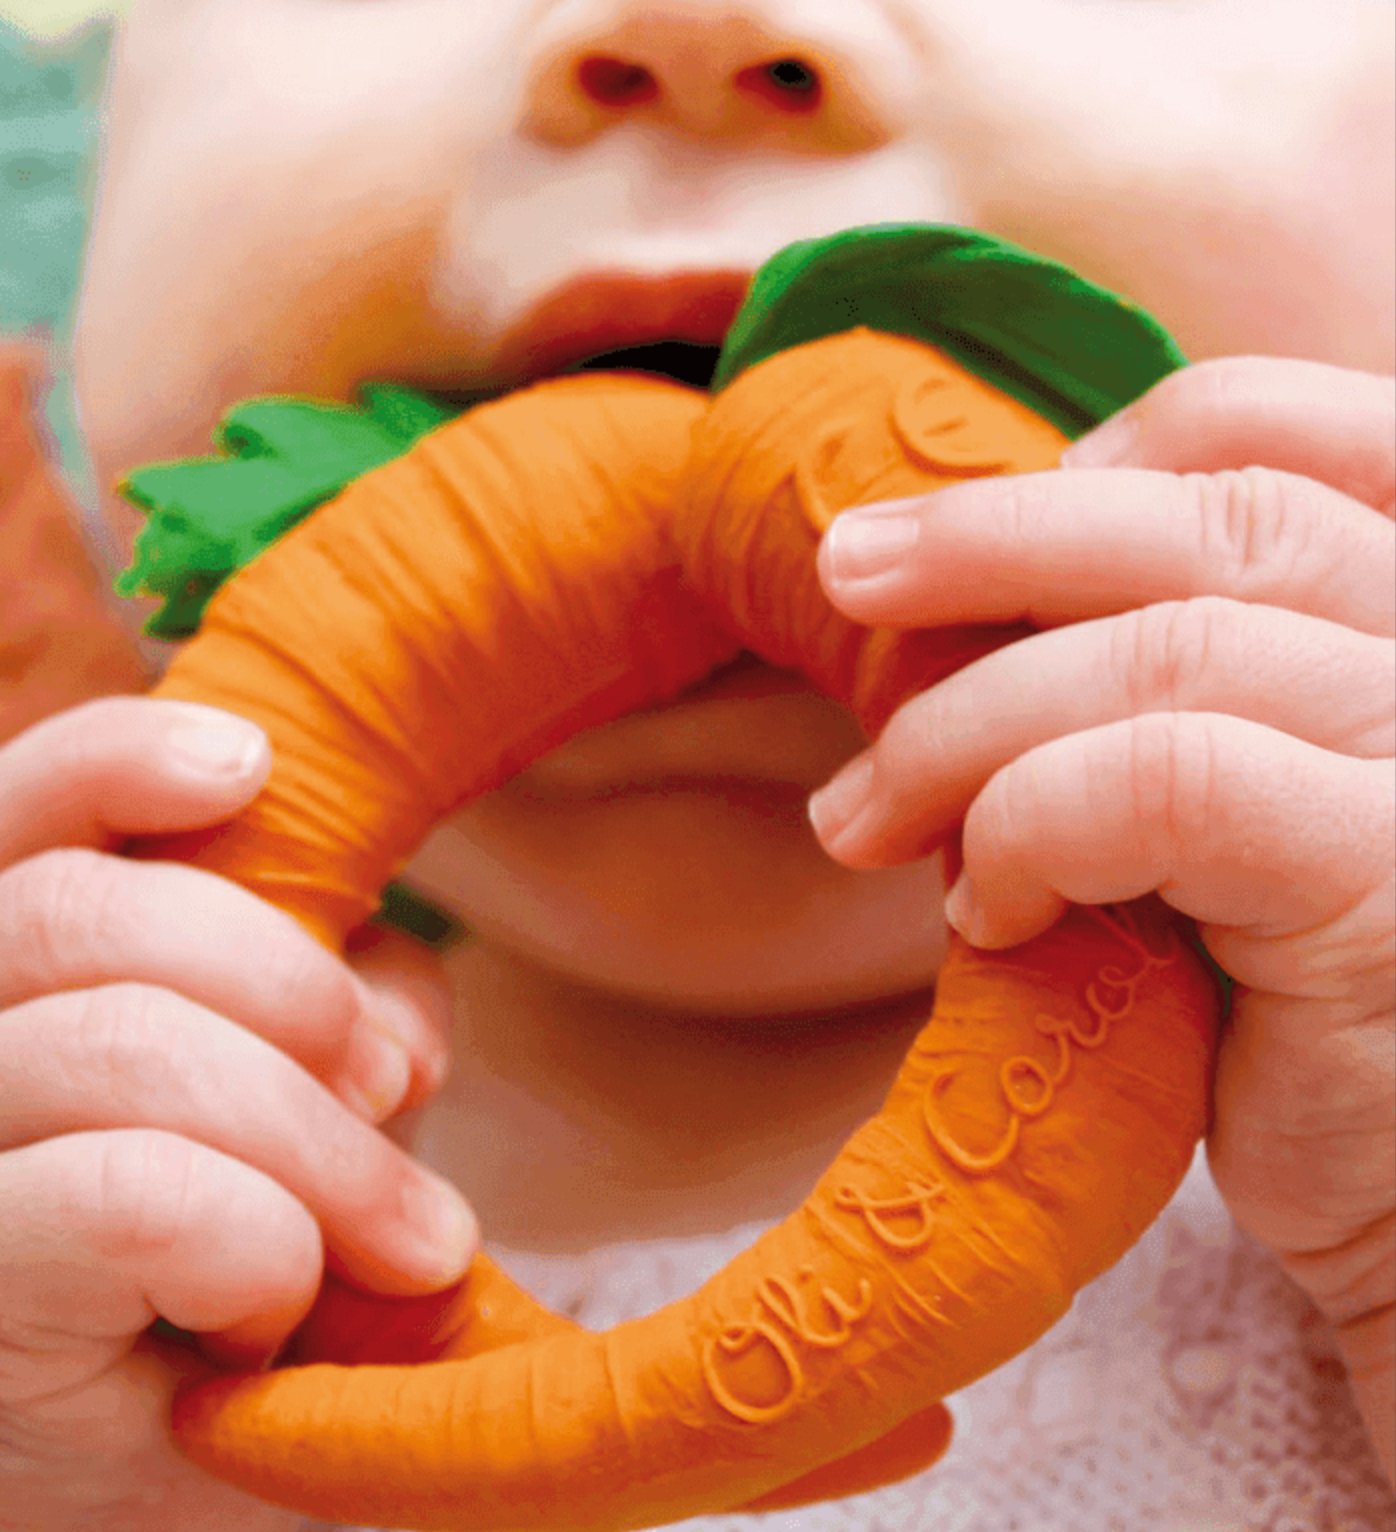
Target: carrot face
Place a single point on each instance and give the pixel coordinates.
(552, 560)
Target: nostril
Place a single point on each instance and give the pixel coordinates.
(616, 82)
(789, 84)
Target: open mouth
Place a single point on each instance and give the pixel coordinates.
(680, 361)
(671, 326)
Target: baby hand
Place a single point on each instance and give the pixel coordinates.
(1209, 711)
(188, 1086)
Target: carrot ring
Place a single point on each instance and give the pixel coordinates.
(551, 560)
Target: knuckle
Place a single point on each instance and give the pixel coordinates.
(1170, 771)
(1252, 532)
(57, 907)
(122, 1033)
(304, 976)
(1026, 506)
(1161, 652)
(146, 1193)
(1008, 810)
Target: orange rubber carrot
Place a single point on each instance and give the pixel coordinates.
(475, 603)
(486, 1311)
(549, 561)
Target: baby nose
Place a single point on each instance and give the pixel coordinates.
(818, 76)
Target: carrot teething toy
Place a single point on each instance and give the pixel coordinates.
(577, 550)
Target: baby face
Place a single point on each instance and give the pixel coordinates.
(299, 195)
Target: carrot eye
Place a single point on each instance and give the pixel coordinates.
(788, 84)
(616, 82)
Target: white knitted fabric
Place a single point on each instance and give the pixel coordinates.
(1190, 1389)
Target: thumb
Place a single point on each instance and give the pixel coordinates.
(125, 766)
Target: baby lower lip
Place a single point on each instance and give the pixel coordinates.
(749, 724)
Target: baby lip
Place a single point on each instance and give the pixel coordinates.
(750, 723)
(610, 311)
(746, 676)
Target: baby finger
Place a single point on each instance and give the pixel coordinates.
(125, 766)
(105, 1231)
(127, 1055)
(1325, 423)
(75, 919)
(1176, 803)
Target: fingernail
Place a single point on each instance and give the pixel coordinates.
(1108, 446)
(444, 1233)
(963, 912)
(863, 544)
(436, 1067)
(836, 805)
(216, 744)
(380, 1072)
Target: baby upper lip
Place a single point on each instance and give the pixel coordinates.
(609, 311)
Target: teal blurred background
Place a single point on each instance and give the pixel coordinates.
(50, 99)
(50, 109)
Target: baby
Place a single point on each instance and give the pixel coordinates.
(689, 980)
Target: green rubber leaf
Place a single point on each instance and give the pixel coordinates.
(1068, 349)
(406, 909)
(50, 115)
(275, 461)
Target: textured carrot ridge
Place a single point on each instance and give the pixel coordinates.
(564, 555)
